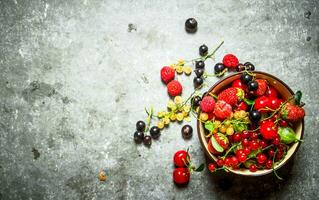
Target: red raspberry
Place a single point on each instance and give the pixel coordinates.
(174, 88)
(222, 109)
(167, 74)
(207, 104)
(230, 61)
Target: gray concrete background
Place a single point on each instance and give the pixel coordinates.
(74, 80)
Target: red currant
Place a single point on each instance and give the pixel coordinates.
(245, 134)
(234, 161)
(242, 158)
(263, 144)
(220, 162)
(254, 145)
(236, 137)
(276, 141)
(247, 150)
(261, 103)
(211, 167)
(261, 158)
(227, 162)
(283, 123)
(239, 152)
(253, 168)
(245, 142)
(254, 135)
(271, 153)
(181, 175)
(269, 164)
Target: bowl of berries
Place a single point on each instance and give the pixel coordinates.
(254, 125)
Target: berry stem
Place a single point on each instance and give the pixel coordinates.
(230, 149)
(203, 58)
(149, 118)
(273, 166)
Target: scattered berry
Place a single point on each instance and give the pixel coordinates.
(191, 25)
(181, 176)
(203, 50)
(252, 85)
(211, 167)
(196, 101)
(245, 78)
(147, 140)
(181, 158)
(219, 68)
(253, 168)
(187, 131)
(174, 88)
(167, 74)
(230, 61)
(199, 72)
(261, 158)
(231, 95)
(198, 82)
(254, 116)
(249, 66)
(240, 67)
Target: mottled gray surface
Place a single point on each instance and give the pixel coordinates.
(76, 76)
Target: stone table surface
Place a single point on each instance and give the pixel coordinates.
(76, 76)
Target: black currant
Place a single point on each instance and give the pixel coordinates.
(240, 67)
(252, 85)
(245, 78)
(199, 72)
(191, 25)
(203, 50)
(254, 116)
(200, 64)
(196, 101)
(138, 137)
(155, 132)
(187, 132)
(219, 67)
(249, 66)
(147, 140)
(140, 126)
(198, 82)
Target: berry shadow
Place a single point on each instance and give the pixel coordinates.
(234, 186)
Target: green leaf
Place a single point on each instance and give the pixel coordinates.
(297, 97)
(200, 168)
(216, 146)
(210, 126)
(249, 102)
(287, 135)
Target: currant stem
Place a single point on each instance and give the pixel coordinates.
(229, 150)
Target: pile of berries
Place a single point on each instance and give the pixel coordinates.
(248, 124)
(183, 168)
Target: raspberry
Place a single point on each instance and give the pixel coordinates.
(222, 109)
(230, 61)
(174, 88)
(207, 104)
(167, 74)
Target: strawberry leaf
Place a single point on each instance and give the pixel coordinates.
(216, 146)
(209, 126)
(297, 97)
(200, 168)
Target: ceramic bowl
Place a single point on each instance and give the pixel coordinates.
(284, 91)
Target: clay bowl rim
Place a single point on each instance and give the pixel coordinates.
(247, 172)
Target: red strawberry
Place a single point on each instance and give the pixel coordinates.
(222, 109)
(230, 61)
(292, 112)
(262, 87)
(231, 95)
(207, 104)
(268, 129)
(174, 88)
(221, 139)
(167, 74)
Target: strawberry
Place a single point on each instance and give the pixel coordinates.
(262, 87)
(221, 139)
(222, 109)
(207, 104)
(268, 129)
(174, 88)
(167, 74)
(230, 61)
(231, 95)
(292, 112)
